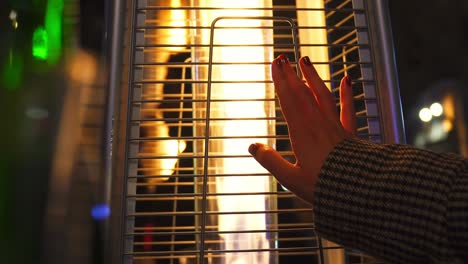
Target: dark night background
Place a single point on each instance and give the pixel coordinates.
(430, 39)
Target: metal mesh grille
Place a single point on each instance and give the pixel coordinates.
(172, 162)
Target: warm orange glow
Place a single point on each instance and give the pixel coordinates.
(248, 73)
(154, 91)
(317, 35)
(447, 125)
(82, 67)
(224, 70)
(448, 103)
(163, 147)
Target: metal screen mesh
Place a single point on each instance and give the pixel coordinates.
(174, 150)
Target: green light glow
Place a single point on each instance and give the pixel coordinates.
(39, 45)
(53, 27)
(11, 73)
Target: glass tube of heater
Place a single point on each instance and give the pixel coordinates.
(246, 110)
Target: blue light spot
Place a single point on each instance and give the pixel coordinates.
(100, 211)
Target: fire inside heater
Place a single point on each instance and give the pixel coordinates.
(202, 94)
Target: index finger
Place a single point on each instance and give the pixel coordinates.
(295, 98)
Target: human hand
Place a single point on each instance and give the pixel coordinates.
(313, 123)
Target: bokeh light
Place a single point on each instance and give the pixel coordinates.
(39, 44)
(100, 212)
(436, 109)
(425, 114)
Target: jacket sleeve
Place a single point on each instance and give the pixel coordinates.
(395, 202)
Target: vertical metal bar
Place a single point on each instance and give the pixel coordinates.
(206, 150)
(117, 150)
(385, 71)
(114, 35)
(129, 206)
(295, 40)
(115, 62)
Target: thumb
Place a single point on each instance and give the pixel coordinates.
(286, 172)
(348, 114)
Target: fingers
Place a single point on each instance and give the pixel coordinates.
(348, 114)
(323, 95)
(286, 173)
(285, 94)
(295, 98)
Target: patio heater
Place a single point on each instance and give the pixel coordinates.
(192, 89)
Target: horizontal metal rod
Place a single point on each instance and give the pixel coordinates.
(186, 81)
(359, 97)
(201, 120)
(220, 241)
(216, 227)
(279, 123)
(277, 45)
(287, 196)
(211, 137)
(275, 8)
(187, 119)
(188, 64)
(208, 251)
(143, 27)
(189, 155)
(269, 230)
(194, 195)
(168, 100)
(197, 175)
(190, 213)
(170, 257)
(343, 71)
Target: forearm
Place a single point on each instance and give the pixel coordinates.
(395, 202)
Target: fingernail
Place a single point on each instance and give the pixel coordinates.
(253, 149)
(348, 80)
(307, 61)
(282, 59)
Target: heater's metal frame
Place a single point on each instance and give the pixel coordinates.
(380, 52)
(208, 102)
(386, 75)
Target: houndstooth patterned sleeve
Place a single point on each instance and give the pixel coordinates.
(395, 202)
